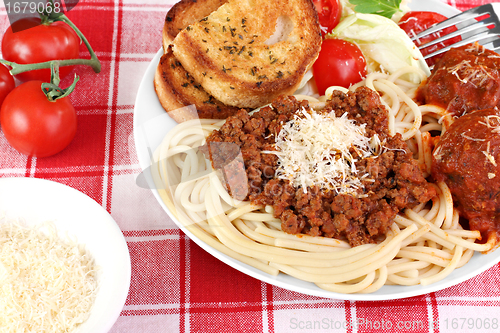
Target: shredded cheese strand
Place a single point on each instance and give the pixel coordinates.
(47, 284)
(315, 149)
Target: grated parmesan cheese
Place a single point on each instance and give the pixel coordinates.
(476, 48)
(47, 284)
(489, 157)
(466, 73)
(314, 149)
(471, 138)
(492, 122)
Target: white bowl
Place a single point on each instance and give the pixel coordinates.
(37, 201)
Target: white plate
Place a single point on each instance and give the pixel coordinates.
(151, 124)
(37, 201)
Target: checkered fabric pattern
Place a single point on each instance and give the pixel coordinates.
(176, 286)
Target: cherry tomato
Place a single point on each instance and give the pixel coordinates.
(35, 126)
(7, 83)
(340, 63)
(415, 22)
(329, 12)
(34, 42)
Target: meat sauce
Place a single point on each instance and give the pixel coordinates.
(394, 180)
(467, 159)
(465, 79)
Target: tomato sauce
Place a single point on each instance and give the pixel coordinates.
(464, 80)
(467, 159)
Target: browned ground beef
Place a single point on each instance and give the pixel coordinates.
(396, 182)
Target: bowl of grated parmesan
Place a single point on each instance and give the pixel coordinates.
(64, 263)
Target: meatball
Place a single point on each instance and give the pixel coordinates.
(467, 159)
(464, 80)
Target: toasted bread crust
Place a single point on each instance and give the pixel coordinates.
(184, 13)
(177, 89)
(231, 55)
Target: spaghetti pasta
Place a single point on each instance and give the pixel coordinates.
(423, 245)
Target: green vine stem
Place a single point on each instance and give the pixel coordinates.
(92, 62)
(52, 89)
(53, 92)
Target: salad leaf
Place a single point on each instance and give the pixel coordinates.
(386, 8)
(386, 47)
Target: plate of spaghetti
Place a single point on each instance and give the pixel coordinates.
(348, 195)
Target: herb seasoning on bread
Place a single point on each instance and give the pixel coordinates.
(247, 53)
(243, 55)
(177, 89)
(184, 13)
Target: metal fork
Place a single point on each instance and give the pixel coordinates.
(485, 31)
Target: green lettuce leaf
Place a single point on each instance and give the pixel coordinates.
(386, 47)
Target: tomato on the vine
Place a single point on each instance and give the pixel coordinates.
(35, 42)
(7, 83)
(415, 22)
(340, 63)
(329, 12)
(35, 126)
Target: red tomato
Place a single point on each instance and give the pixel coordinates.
(340, 63)
(329, 12)
(415, 22)
(34, 42)
(35, 126)
(7, 83)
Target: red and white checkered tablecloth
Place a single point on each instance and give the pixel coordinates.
(176, 286)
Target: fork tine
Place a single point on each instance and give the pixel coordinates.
(495, 45)
(496, 49)
(470, 29)
(454, 20)
(483, 38)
